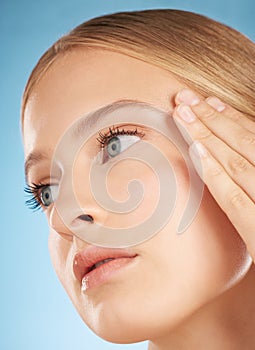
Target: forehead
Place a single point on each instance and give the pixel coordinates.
(84, 80)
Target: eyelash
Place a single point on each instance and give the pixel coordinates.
(34, 202)
(115, 131)
(34, 191)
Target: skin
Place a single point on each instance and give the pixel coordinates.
(183, 289)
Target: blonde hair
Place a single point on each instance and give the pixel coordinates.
(208, 56)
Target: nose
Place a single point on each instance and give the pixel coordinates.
(64, 227)
(85, 217)
(75, 208)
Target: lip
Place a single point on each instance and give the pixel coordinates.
(87, 258)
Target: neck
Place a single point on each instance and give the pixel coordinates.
(227, 323)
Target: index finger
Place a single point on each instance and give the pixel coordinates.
(233, 114)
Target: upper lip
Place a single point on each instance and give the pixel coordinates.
(84, 260)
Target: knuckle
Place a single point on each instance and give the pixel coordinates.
(239, 164)
(236, 198)
(207, 112)
(216, 170)
(233, 114)
(202, 131)
(247, 139)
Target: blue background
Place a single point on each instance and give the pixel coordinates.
(35, 311)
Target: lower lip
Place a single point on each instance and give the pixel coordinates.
(104, 272)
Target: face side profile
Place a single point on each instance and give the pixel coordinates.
(173, 276)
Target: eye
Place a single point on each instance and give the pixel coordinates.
(46, 196)
(114, 146)
(41, 195)
(117, 141)
(118, 144)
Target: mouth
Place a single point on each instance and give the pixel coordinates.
(95, 265)
(100, 263)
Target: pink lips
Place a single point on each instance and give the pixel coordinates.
(90, 275)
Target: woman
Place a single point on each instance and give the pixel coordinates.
(193, 290)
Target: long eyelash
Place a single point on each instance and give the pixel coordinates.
(34, 203)
(115, 131)
(34, 190)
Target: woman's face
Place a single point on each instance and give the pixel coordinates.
(172, 275)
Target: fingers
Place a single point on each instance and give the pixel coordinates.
(226, 110)
(237, 205)
(222, 148)
(236, 116)
(203, 120)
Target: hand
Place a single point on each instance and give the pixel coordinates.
(225, 148)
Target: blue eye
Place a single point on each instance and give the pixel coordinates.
(114, 146)
(116, 140)
(118, 144)
(42, 195)
(46, 196)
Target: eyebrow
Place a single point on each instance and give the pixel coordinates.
(88, 123)
(92, 119)
(33, 159)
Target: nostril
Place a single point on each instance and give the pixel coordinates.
(86, 217)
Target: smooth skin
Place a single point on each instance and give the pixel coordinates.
(226, 139)
(192, 291)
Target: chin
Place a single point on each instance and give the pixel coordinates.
(127, 325)
(116, 331)
(120, 336)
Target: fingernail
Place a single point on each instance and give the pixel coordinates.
(188, 97)
(186, 113)
(198, 149)
(216, 103)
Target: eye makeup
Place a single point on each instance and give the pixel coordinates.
(41, 199)
(34, 191)
(123, 125)
(104, 138)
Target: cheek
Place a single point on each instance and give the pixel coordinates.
(210, 250)
(191, 269)
(217, 239)
(59, 250)
(140, 187)
(176, 274)
(128, 181)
